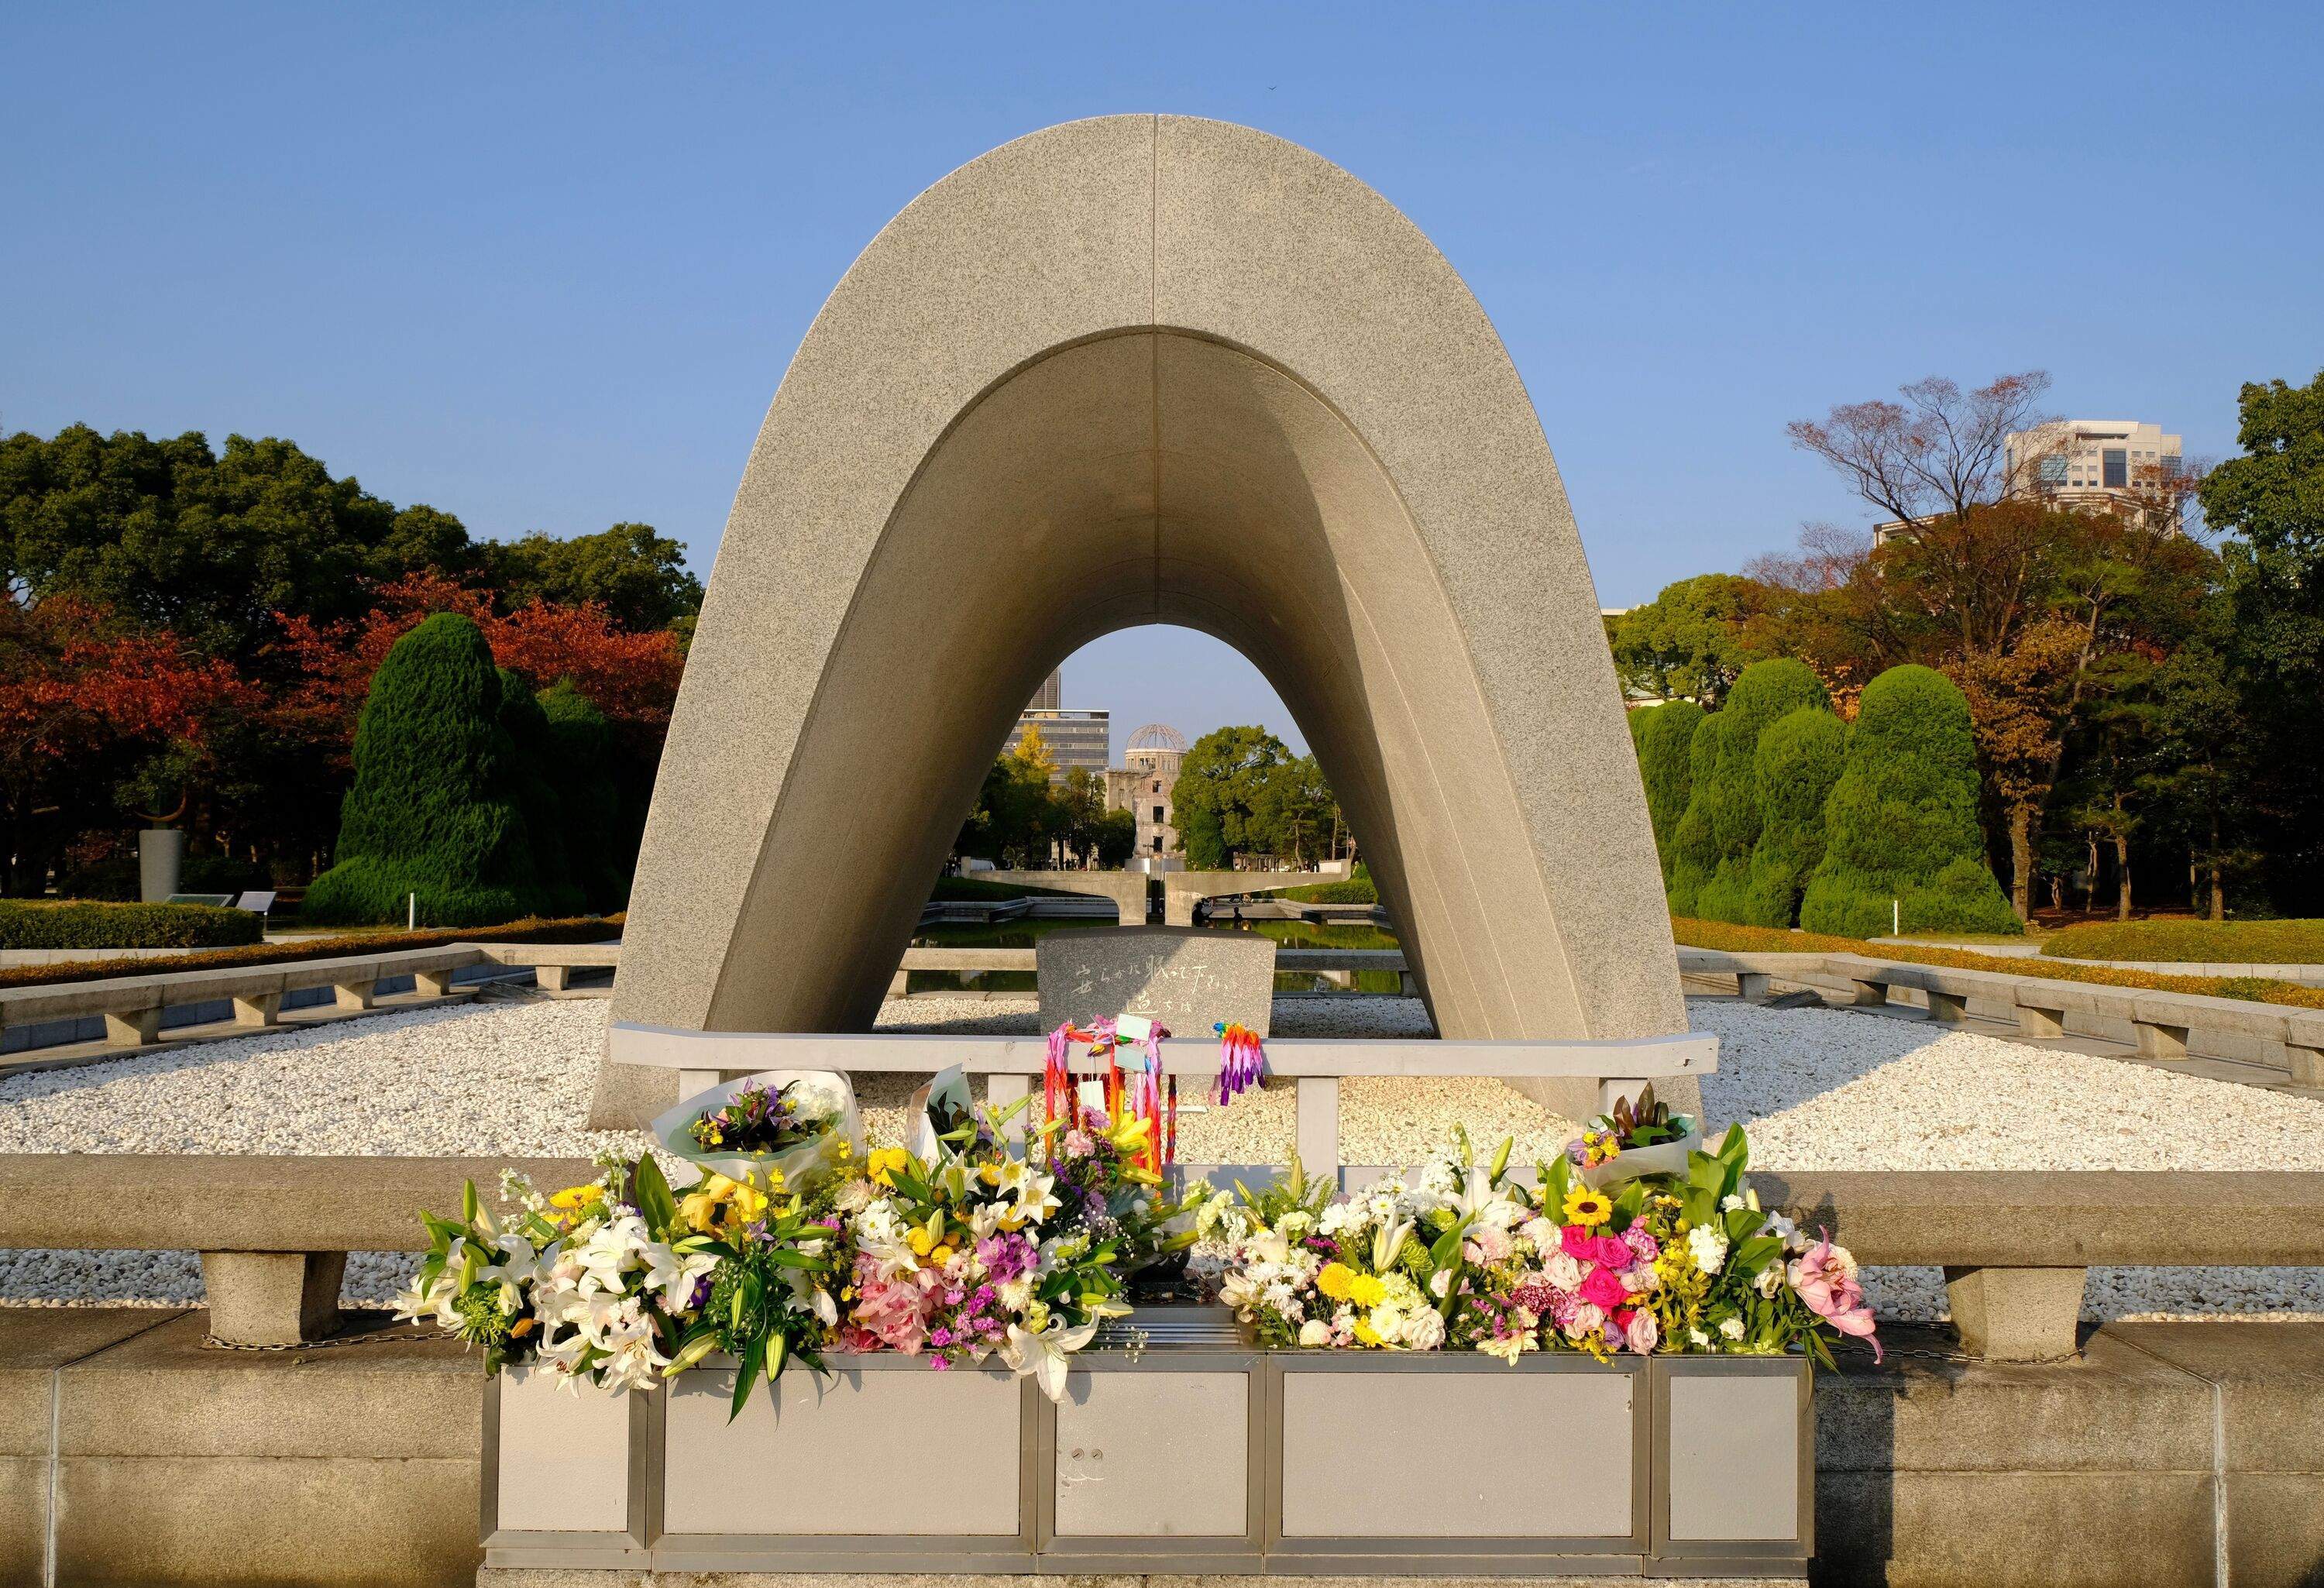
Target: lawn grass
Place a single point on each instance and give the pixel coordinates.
(2291, 942)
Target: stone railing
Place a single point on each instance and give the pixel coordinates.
(2160, 1025)
(1321, 961)
(274, 1232)
(131, 1006)
(1602, 1071)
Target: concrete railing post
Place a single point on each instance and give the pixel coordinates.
(2017, 1314)
(1869, 994)
(552, 978)
(258, 1009)
(1407, 986)
(899, 985)
(1951, 1008)
(1751, 986)
(353, 995)
(135, 1029)
(1316, 1102)
(431, 983)
(272, 1298)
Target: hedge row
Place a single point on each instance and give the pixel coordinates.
(1356, 890)
(1734, 940)
(87, 924)
(2213, 942)
(581, 929)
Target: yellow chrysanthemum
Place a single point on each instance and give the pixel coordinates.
(1335, 1281)
(573, 1199)
(1588, 1208)
(1366, 1290)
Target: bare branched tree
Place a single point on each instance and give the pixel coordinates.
(1829, 555)
(1941, 451)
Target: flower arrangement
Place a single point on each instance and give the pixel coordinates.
(785, 1127)
(760, 1118)
(1633, 1138)
(1456, 1257)
(974, 1249)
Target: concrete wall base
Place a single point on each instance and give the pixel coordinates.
(2163, 1454)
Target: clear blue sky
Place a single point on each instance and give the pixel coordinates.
(543, 266)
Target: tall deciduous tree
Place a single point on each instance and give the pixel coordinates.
(1939, 451)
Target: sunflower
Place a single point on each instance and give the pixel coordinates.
(1588, 1208)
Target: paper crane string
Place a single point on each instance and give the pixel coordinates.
(1243, 1061)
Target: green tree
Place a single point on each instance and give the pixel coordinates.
(1221, 795)
(1117, 840)
(582, 760)
(435, 810)
(1792, 772)
(1712, 865)
(1901, 824)
(1663, 735)
(637, 576)
(1296, 813)
(1688, 642)
(2271, 501)
(212, 544)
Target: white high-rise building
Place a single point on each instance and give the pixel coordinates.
(2111, 464)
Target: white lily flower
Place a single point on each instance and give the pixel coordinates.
(1045, 1354)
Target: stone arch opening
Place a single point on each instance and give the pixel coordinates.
(1132, 370)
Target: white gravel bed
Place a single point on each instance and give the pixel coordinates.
(1818, 1089)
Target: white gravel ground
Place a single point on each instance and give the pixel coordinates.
(1817, 1089)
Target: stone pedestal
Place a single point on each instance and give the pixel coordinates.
(1187, 979)
(160, 862)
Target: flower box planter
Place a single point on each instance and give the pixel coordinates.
(1196, 1454)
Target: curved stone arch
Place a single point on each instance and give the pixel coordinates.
(1134, 370)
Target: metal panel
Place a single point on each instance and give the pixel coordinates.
(1734, 1441)
(1374, 1454)
(564, 1458)
(1153, 1455)
(817, 1454)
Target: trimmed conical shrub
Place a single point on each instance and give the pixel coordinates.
(1664, 735)
(1794, 770)
(1721, 825)
(1901, 824)
(540, 795)
(581, 758)
(434, 809)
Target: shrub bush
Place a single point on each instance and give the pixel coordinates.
(1721, 825)
(1664, 735)
(591, 930)
(88, 924)
(1901, 824)
(580, 756)
(434, 808)
(540, 794)
(1797, 763)
(2282, 942)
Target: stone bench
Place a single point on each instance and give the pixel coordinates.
(2016, 1246)
(2161, 1024)
(273, 1232)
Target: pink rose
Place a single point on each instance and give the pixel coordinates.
(1643, 1333)
(1603, 1289)
(1579, 1243)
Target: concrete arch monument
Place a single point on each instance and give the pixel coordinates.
(1135, 370)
